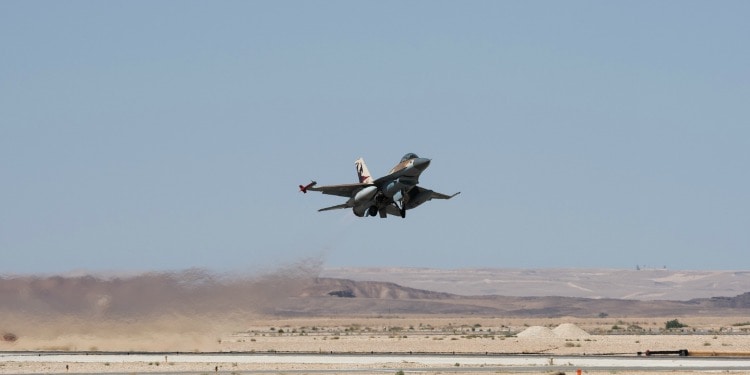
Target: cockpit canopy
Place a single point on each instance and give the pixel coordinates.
(409, 156)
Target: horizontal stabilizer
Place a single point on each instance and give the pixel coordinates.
(333, 207)
(436, 195)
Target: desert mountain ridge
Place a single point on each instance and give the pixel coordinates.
(327, 296)
(636, 284)
(195, 293)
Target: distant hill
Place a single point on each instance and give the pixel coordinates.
(645, 284)
(369, 289)
(328, 296)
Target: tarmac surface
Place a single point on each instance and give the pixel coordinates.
(171, 363)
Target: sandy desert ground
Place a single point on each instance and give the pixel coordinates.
(397, 334)
(412, 334)
(292, 312)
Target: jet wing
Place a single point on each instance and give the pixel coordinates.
(436, 195)
(345, 190)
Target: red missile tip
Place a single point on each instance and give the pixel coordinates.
(305, 187)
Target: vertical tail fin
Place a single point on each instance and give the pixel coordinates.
(363, 172)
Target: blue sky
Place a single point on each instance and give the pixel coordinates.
(167, 135)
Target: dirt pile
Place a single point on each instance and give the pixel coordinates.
(537, 332)
(563, 331)
(570, 331)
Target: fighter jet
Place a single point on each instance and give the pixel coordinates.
(391, 194)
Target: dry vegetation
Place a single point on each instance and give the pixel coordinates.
(480, 335)
(392, 334)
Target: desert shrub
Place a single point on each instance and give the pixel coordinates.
(10, 337)
(675, 324)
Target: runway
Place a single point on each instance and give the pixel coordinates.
(167, 363)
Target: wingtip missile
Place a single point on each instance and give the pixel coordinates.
(303, 188)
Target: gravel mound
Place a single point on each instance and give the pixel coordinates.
(537, 332)
(570, 331)
(564, 331)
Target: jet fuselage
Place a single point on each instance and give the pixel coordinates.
(392, 194)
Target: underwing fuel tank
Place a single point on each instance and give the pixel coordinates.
(391, 188)
(365, 195)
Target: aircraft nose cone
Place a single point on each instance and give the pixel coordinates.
(421, 163)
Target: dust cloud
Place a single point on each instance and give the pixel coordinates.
(180, 310)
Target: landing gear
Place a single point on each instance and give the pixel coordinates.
(401, 209)
(404, 201)
(372, 211)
